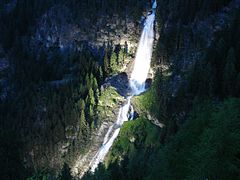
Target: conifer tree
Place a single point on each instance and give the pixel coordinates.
(113, 62)
(237, 86)
(91, 97)
(106, 64)
(121, 56)
(100, 73)
(229, 73)
(66, 172)
(83, 124)
(95, 84)
(88, 81)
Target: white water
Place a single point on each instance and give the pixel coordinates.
(137, 84)
(143, 57)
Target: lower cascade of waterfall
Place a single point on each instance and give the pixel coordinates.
(137, 84)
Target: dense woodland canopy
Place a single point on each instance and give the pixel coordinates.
(201, 133)
(53, 90)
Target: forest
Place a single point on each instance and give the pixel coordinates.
(201, 133)
(52, 96)
(51, 99)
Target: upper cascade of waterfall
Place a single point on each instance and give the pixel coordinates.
(154, 6)
(143, 55)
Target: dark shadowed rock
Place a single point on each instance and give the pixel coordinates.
(120, 82)
(148, 83)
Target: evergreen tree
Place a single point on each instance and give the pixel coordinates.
(113, 62)
(82, 104)
(66, 173)
(106, 64)
(121, 56)
(237, 86)
(91, 97)
(88, 81)
(90, 113)
(100, 74)
(229, 74)
(95, 84)
(83, 123)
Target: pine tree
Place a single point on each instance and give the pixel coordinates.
(90, 113)
(83, 124)
(95, 84)
(113, 62)
(88, 81)
(100, 74)
(97, 94)
(106, 64)
(229, 73)
(237, 86)
(121, 56)
(91, 97)
(82, 104)
(66, 172)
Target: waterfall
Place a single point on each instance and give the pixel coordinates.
(143, 57)
(137, 84)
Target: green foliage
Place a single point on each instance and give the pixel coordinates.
(229, 73)
(131, 152)
(47, 109)
(153, 101)
(40, 175)
(113, 62)
(203, 135)
(187, 11)
(66, 173)
(121, 56)
(216, 73)
(106, 65)
(108, 100)
(205, 148)
(11, 164)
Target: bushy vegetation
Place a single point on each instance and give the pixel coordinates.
(201, 133)
(131, 153)
(54, 102)
(46, 108)
(52, 96)
(205, 148)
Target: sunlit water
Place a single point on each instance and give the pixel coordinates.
(137, 84)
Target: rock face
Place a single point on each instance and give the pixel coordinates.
(4, 65)
(58, 28)
(120, 82)
(109, 104)
(7, 6)
(182, 45)
(81, 165)
(196, 37)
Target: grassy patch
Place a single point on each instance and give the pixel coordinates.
(135, 136)
(108, 102)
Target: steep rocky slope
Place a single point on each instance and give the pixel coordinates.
(52, 58)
